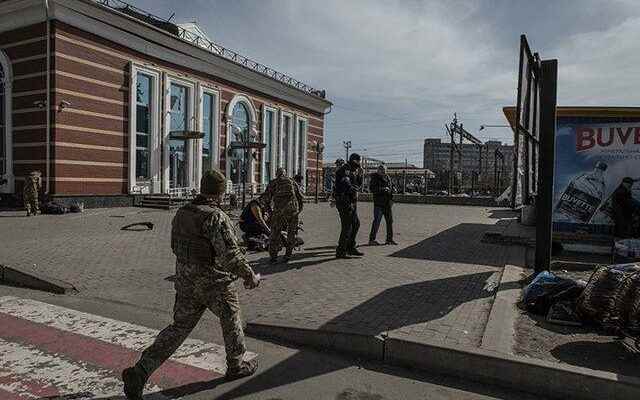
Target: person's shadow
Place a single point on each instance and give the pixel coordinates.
(420, 302)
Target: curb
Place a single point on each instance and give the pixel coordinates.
(370, 347)
(539, 377)
(523, 374)
(34, 280)
(499, 333)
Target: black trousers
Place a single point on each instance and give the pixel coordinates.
(378, 213)
(349, 226)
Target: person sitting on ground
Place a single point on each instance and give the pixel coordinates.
(253, 222)
(299, 180)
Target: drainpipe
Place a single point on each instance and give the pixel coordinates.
(48, 100)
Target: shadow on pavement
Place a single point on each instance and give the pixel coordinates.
(266, 268)
(173, 393)
(608, 356)
(460, 244)
(500, 213)
(380, 314)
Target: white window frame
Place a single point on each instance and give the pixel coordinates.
(305, 143)
(292, 130)
(215, 140)
(239, 98)
(273, 145)
(9, 187)
(154, 132)
(191, 119)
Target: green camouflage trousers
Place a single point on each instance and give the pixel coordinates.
(31, 202)
(187, 311)
(280, 223)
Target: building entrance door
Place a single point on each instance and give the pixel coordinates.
(178, 176)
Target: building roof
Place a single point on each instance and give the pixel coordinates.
(194, 35)
(163, 40)
(579, 111)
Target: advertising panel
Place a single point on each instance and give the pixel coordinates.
(597, 163)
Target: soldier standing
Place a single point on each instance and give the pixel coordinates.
(348, 182)
(30, 193)
(287, 205)
(208, 261)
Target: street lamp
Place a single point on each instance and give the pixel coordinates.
(493, 126)
(319, 148)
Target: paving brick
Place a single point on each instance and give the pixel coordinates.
(431, 285)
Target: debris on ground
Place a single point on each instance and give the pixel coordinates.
(138, 226)
(610, 299)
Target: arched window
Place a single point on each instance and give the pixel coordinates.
(241, 121)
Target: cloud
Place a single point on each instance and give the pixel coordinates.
(404, 66)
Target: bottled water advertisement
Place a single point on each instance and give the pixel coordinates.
(594, 158)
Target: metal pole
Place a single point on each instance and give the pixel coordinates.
(404, 178)
(516, 138)
(544, 210)
(460, 162)
(317, 170)
(244, 175)
(496, 187)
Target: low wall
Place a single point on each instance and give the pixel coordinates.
(99, 201)
(445, 200)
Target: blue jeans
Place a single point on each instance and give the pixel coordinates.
(378, 213)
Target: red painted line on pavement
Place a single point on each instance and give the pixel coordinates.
(96, 352)
(5, 395)
(30, 386)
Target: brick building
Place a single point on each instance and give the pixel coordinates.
(105, 99)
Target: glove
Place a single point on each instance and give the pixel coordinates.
(252, 282)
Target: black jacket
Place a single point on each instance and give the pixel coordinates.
(382, 190)
(347, 185)
(624, 206)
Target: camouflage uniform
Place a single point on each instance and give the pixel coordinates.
(30, 193)
(287, 205)
(208, 262)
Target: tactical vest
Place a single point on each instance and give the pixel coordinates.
(187, 241)
(284, 191)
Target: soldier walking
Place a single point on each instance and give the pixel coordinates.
(208, 261)
(348, 182)
(30, 193)
(287, 205)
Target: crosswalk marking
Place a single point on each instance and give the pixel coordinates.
(52, 350)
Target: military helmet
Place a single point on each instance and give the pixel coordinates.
(212, 182)
(36, 173)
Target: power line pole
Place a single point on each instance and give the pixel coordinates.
(347, 146)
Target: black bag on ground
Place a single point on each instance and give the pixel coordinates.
(547, 289)
(54, 208)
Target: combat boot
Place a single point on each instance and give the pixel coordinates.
(134, 381)
(246, 368)
(355, 252)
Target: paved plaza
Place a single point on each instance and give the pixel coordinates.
(438, 283)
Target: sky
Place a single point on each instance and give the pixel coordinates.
(397, 70)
